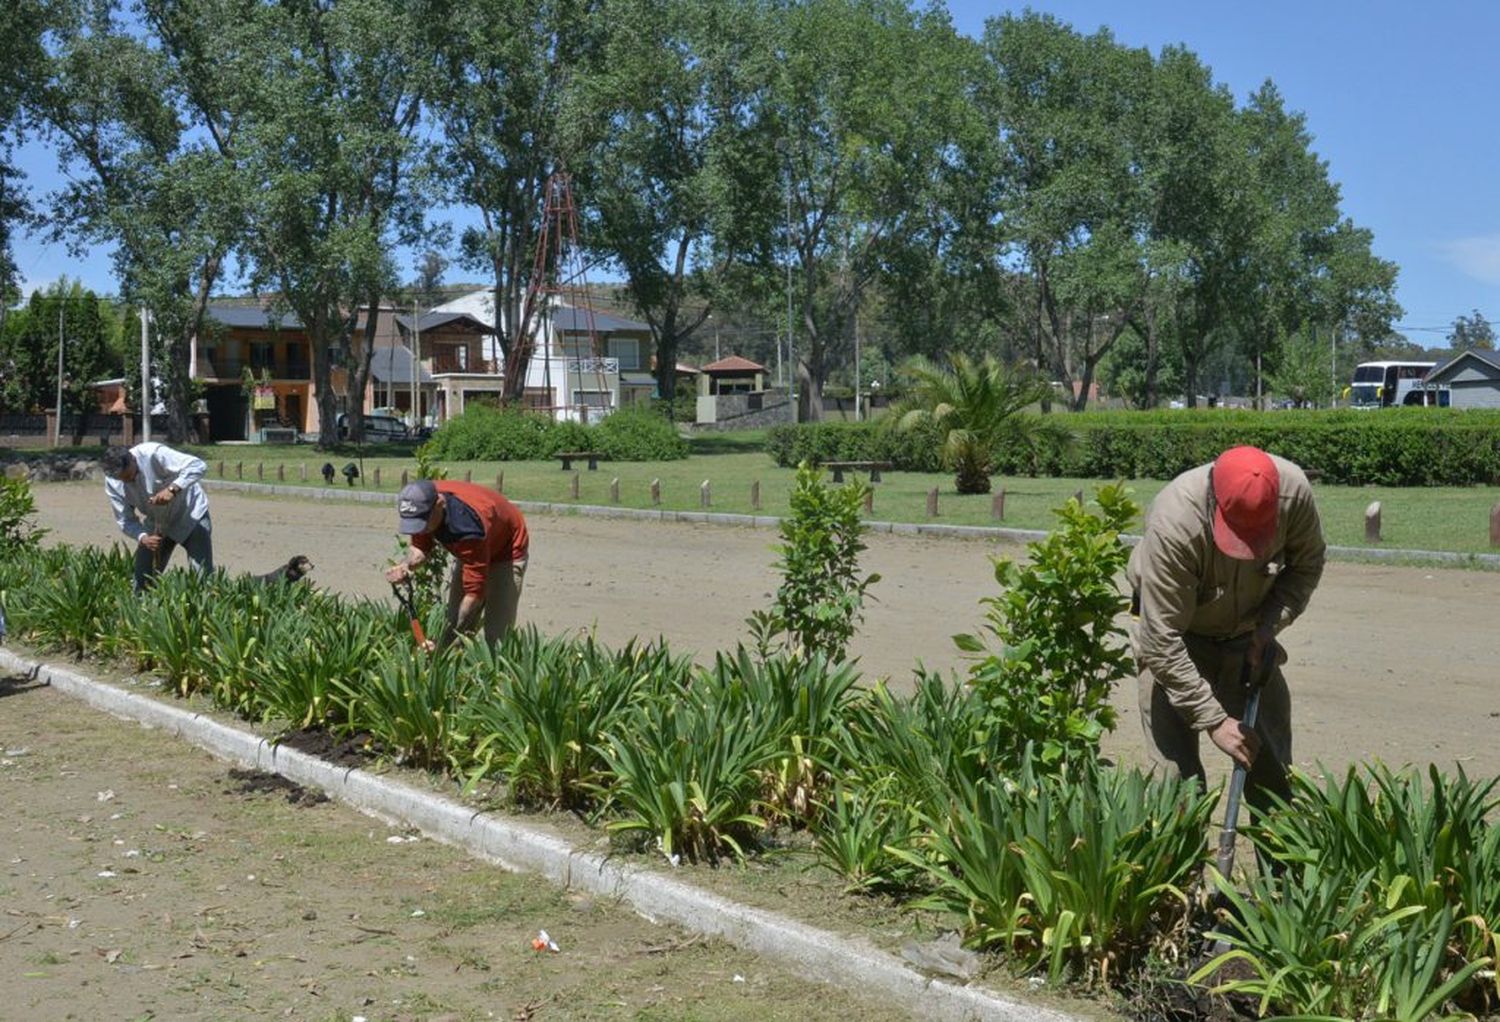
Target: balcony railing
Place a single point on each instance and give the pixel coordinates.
(450, 362)
(234, 368)
(583, 366)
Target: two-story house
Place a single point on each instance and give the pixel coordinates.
(274, 349)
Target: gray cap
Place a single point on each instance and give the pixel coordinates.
(414, 503)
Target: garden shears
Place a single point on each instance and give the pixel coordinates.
(406, 596)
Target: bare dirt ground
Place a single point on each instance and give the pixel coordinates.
(143, 879)
(1390, 662)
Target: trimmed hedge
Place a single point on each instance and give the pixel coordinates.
(1388, 447)
(486, 433)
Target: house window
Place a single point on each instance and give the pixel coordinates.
(575, 346)
(592, 398)
(627, 350)
(262, 355)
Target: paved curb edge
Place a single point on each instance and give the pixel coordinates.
(816, 954)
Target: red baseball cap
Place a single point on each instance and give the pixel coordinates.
(1247, 489)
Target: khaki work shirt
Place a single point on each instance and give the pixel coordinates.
(1187, 586)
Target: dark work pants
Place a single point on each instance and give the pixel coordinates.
(200, 552)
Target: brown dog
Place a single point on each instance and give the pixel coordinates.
(293, 570)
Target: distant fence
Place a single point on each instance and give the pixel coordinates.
(18, 429)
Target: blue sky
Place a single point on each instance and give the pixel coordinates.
(1396, 96)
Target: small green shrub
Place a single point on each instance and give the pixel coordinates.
(1061, 647)
(18, 528)
(637, 434)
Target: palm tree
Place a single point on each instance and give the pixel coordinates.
(974, 405)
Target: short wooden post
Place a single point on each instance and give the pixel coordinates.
(997, 505)
(1372, 522)
(705, 495)
(221, 470)
(1078, 496)
(405, 478)
(303, 467)
(281, 473)
(500, 482)
(468, 475)
(260, 471)
(239, 470)
(656, 493)
(573, 486)
(932, 503)
(869, 500)
(1495, 525)
(755, 495)
(614, 490)
(377, 477)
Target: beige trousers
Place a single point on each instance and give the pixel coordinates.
(1174, 745)
(502, 597)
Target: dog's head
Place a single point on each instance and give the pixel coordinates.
(296, 568)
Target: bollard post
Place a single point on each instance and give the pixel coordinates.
(303, 466)
(656, 493)
(932, 503)
(869, 500)
(1078, 496)
(1372, 522)
(997, 505)
(377, 477)
(614, 490)
(281, 473)
(1495, 525)
(573, 486)
(405, 478)
(221, 470)
(260, 471)
(755, 495)
(468, 475)
(500, 482)
(239, 470)
(705, 497)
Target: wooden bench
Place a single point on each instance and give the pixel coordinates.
(873, 467)
(568, 457)
(1313, 474)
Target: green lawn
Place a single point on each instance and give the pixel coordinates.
(1441, 518)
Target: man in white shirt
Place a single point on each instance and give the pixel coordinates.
(162, 485)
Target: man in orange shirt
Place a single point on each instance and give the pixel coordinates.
(485, 533)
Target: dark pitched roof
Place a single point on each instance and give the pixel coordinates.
(1491, 358)
(393, 365)
(253, 317)
(571, 320)
(432, 320)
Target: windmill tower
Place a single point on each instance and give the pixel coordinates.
(564, 334)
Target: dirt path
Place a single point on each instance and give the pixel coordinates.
(1395, 663)
(143, 879)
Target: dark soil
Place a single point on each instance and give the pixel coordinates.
(354, 751)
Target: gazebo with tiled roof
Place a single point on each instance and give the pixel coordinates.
(732, 375)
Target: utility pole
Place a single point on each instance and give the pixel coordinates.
(857, 381)
(1333, 366)
(145, 375)
(62, 303)
(791, 356)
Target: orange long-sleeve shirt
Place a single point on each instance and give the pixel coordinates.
(480, 527)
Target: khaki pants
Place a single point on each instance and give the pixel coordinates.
(1174, 745)
(502, 597)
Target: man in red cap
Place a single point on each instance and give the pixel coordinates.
(485, 533)
(1232, 553)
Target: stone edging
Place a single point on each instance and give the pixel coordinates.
(1341, 553)
(816, 954)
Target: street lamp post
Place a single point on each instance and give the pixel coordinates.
(791, 356)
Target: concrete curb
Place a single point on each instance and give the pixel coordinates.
(1338, 553)
(816, 954)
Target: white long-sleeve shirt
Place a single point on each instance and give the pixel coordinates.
(159, 466)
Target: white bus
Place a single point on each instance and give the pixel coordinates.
(1394, 384)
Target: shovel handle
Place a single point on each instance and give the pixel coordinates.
(1236, 792)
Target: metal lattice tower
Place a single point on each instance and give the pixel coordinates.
(558, 270)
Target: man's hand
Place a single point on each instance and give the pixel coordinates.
(163, 496)
(1263, 639)
(398, 573)
(1237, 741)
(151, 541)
